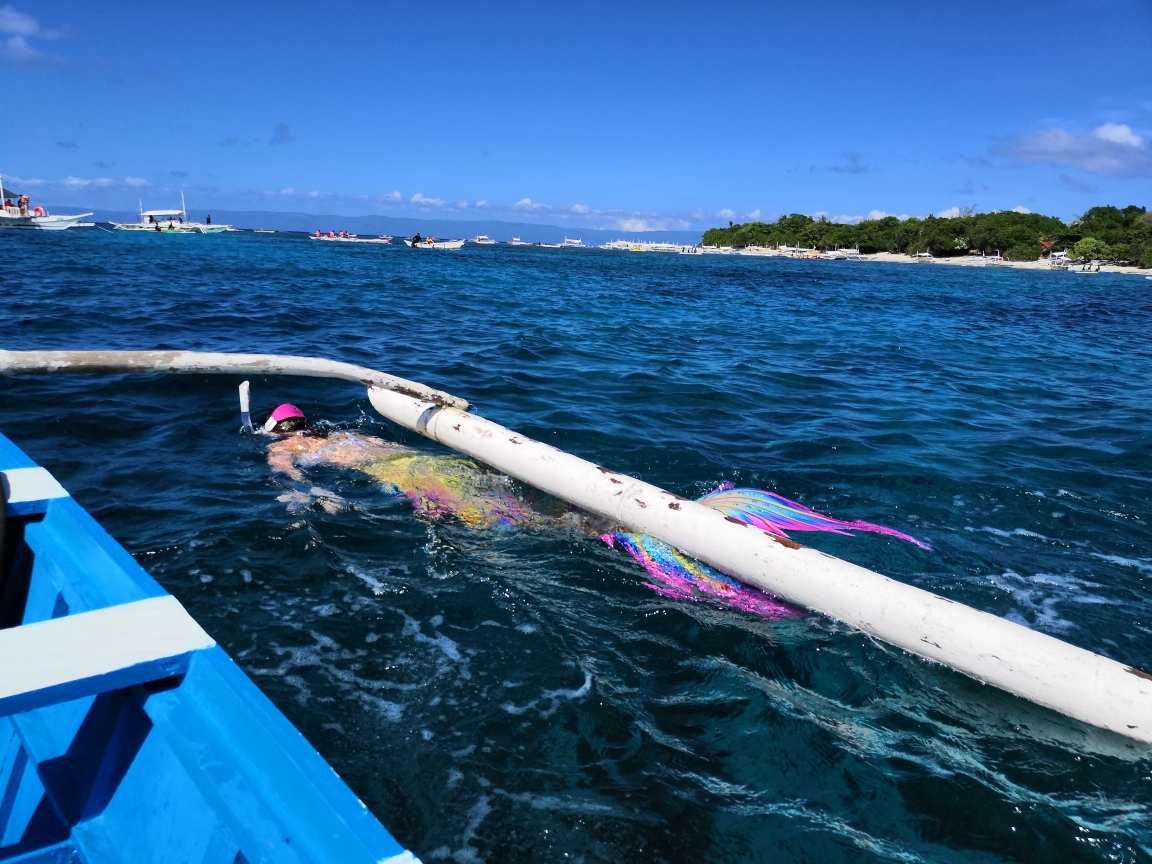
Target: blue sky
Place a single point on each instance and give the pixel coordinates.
(599, 115)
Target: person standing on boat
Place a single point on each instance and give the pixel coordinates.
(208, 219)
(416, 241)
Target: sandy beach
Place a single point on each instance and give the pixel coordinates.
(960, 261)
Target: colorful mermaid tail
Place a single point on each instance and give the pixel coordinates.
(448, 487)
(777, 515)
(682, 578)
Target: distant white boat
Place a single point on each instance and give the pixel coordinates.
(22, 216)
(550, 245)
(516, 241)
(573, 244)
(654, 246)
(345, 237)
(432, 243)
(170, 222)
(484, 240)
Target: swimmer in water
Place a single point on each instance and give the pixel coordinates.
(454, 488)
(438, 486)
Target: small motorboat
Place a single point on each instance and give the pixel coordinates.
(484, 240)
(263, 231)
(433, 243)
(516, 241)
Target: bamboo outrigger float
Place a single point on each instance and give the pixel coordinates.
(1037, 667)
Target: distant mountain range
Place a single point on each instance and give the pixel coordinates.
(400, 226)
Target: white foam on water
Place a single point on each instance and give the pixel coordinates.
(412, 628)
(1015, 532)
(552, 696)
(1144, 565)
(1037, 597)
(583, 690)
(390, 711)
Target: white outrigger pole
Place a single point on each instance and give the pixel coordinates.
(1033, 665)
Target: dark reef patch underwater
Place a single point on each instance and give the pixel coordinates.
(516, 695)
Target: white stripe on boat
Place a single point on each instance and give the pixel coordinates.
(92, 652)
(25, 485)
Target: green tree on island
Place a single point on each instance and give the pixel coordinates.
(1122, 236)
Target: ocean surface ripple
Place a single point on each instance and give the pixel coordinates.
(519, 695)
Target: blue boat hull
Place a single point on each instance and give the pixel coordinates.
(176, 757)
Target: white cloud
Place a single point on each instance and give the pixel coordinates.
(726, 214)
(19, 23)
(880, 214)
(22, 24)
(840, 219)
(698, 214)
(15, 50)
(481, 203)
(76, 182)
(1111, 149)
(1021, 210)
(135, 181)
(103, 182)
(427, 202)
(287, 190)
(529, 205)
(950, 213)
(1118, 133)
(392, 196)
(755, 214)
(463, 205)
(20, 181)
(633, 225)
(582, 209)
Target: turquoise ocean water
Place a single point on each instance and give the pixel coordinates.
(522, 695)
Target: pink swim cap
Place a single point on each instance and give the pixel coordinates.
(281, 413)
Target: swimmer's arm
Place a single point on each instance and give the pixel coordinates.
(282, 460)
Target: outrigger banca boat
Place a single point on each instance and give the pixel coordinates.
(169, 222)
(214, 710)
(126, 733)
(343, 237)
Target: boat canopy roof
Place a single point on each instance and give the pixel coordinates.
(162, 213)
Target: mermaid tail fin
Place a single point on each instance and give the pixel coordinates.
(777, 515)
(677, 576)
